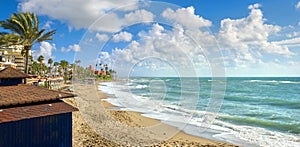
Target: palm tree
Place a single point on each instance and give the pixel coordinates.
(25, 25)
(55, 64)
(41, 59)
(77, 62)
(35, 67)
(50, 61)
(64, 65)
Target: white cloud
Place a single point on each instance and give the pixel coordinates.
(47, 25)
(293, 34)
(298, 6)
(75, 48)
(186, 17)
(101, 37)
(289, 42)
(299, 23)
(45, 50)
(245, 37)
(166, 46)
(122, 36)
(138, 16)
(81, 14)
(254, 6)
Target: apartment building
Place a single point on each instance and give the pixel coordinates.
(11, 55)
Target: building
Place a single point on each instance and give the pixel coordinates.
(100, 72)
(31, 115)
(13, 54)
(10, 76)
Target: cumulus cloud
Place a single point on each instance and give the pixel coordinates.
(75, 48)
(166, 46)
(101, 37)
(186, 17)
(45, 50)
(122, 36)
(293, 34)
(254, 6)
(289, 42)
(138, 16)
(245, 37)
(81, 14)
(298, 6)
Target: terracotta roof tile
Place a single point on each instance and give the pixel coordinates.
(27, 94)
(9, 73)
(32, 111)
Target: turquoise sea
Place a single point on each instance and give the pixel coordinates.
(260, 111)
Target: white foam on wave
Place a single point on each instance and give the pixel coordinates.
(106, 87)
(273, 81)
(259, 136)
(180, 117)
(141, 86)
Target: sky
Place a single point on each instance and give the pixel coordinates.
(171, 38)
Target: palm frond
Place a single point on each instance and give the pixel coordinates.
(46, 36)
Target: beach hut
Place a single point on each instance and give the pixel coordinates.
(32, 116)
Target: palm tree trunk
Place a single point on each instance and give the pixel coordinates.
(27, 48)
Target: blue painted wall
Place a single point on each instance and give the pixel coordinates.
(48, 131)
(8, 82)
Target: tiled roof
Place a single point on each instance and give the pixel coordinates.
(27, 94)
(9, 72)
(32, 111)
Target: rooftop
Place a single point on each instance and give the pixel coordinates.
(10, 73)
(32, 111)
(26, 94)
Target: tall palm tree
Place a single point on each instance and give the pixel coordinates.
(55, 64)
(35, 67)
(77, 62)
(64, 65)
(25, 25)
(50, 61)
(41, 59)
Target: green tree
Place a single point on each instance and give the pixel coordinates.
(77, 62)
(64, 65)
(25, 25)
(50, 61)
(40, 60)
(35, 68)
(55, 64)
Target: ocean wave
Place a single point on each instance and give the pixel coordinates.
(273, 81)
(279, 126)
(259, 136)
(141, 86)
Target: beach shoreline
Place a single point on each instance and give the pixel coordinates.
(83, 135)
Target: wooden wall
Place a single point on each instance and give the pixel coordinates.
(55, 130)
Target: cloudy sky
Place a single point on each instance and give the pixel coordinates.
(171, 38)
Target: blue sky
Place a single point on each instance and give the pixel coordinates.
(172, 38)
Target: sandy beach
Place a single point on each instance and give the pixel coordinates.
(97, 125)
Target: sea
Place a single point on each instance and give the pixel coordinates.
(247, 111)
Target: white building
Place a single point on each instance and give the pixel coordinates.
(12, 54)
